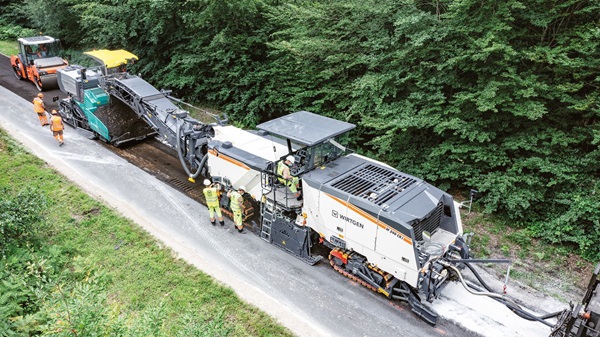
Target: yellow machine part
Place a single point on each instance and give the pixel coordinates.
(112, 58)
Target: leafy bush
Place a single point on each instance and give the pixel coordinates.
(28, 276)
(21, 216)
(13, 32)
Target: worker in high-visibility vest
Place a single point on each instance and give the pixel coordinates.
(40, 108)
(236, 204)
(211, 193)
(283, 170)
(57, 127)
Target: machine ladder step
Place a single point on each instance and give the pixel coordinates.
(266, 222)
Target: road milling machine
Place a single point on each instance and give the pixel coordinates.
(38, 60)
(389, 231)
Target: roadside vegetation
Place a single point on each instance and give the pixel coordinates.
(70, 266)
(552, 269)
(8, 47)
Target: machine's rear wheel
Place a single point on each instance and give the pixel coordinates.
(17, 70)
(38, 83)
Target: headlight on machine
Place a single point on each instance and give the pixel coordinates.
(42, 73)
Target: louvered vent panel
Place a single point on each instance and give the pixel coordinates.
(430, 223)
(374, 183)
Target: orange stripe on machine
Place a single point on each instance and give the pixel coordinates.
(229, 159)
(371, 218)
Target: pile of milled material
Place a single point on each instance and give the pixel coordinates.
(122, 122)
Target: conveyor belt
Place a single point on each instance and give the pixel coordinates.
(150, 100)
(173, 125)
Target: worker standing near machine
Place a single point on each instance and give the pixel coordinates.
(211, 193)
(236, 202)
(283, 170)
(57, 127)
(40, 108)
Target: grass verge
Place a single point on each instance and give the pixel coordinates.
(9, 47)
(120, 280)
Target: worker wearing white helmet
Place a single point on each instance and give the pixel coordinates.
(283, 170)
(236, 204)
(211, 193)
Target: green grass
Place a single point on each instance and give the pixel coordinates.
(9, 47)
(141, 277)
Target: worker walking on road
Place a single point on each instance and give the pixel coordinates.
(236, 204)
(40, 108)
(212, 201)
(283, 170)
(57, 127)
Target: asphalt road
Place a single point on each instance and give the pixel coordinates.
(309, 300)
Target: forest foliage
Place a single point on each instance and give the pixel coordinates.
(498, 96)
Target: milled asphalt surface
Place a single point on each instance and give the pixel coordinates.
(309, 300)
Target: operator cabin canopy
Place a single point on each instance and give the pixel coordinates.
(36, 40)
(306, 128)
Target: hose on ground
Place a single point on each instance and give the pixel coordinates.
(462, 280)
(514, 307)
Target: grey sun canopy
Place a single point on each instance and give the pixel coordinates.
(305, 128)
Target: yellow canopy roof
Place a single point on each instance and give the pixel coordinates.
(111, 58)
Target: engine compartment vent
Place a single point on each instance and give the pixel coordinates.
(377, 184)
(430, 223)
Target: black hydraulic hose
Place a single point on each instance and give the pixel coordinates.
(524, 314)
(513, 307)
(180, 155)
(202, 162)
(478, 277)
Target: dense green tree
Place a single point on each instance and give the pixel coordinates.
(483, 101)
(497, 96)
(220, 63)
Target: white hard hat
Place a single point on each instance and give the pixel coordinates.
(290, 159)
(242, 187)
(206, 182)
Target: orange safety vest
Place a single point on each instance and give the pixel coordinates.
(38, 105)
(56, 123)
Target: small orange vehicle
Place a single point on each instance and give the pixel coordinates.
(38, 60)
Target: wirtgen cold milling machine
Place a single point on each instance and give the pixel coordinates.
(392, 232)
